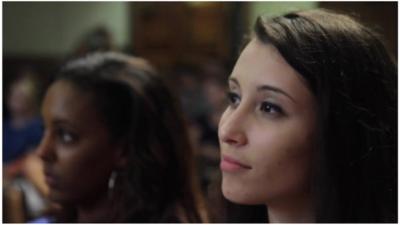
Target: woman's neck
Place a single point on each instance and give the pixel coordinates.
(98, 211)
(299, 209)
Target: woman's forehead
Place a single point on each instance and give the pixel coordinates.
(63, 99)
(262, 64)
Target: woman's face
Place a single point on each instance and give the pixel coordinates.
(267, 133)
(21, 99)
(76, 149)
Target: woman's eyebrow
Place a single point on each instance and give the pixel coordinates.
(274, 89)
(266, 87)
(234, 80)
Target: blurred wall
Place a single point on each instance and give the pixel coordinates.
(54, 29)
(276, 8)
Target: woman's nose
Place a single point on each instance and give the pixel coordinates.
(231, 130)
(46, 148)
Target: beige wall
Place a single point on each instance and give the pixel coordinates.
(276, 8)
(54, 29)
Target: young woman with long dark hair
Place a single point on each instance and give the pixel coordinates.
(310, 133)
(115, 147)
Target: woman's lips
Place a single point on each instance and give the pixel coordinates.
(229, 164)
(50, 179)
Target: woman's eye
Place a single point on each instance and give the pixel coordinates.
(65, 136)
(270, 108)
(233, 98)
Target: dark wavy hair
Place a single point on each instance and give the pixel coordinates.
(354, 80)
(138, 107)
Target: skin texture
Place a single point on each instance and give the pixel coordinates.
(76, 149)
(271, 132)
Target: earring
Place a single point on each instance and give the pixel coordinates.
(111, 183)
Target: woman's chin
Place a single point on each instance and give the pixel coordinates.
(240, 195)
(56, 196)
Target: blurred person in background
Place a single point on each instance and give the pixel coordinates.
(23, 183)
(22, 130)
(214, 88)
(188, 79)
(115, 147)
(191, 94)
(100, 39)
(310, 132)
